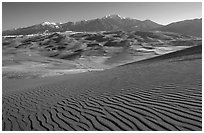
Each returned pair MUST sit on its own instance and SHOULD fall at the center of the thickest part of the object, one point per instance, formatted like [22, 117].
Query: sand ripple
[133, 110]
[163, 102]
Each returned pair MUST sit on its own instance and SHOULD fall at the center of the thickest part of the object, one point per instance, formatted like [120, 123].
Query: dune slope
[156, 95]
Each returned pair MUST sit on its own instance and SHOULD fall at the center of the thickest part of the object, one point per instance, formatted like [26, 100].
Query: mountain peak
[114, 16]
[48, 23]
[110, 22]
[147, 20]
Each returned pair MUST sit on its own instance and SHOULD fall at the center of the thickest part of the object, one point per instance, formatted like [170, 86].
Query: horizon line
[100, 18]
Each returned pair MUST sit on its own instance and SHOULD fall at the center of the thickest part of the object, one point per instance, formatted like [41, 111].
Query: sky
[22, 14]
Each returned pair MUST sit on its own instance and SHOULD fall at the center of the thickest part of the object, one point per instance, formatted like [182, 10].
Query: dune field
[163, 93]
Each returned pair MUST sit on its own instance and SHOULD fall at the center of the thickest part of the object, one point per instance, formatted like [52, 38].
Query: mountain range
[188, 27]
[111, 23]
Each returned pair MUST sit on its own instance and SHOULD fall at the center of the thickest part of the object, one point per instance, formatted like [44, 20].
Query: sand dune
[164, 94]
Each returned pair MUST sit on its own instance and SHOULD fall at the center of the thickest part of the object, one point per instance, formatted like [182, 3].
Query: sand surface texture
[164, 93]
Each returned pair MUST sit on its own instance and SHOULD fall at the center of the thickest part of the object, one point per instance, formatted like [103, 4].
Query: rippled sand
[163, 93]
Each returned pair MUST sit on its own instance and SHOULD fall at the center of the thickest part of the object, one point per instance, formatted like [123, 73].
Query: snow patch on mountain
[114, 16]
[48, 23]
[52, 24]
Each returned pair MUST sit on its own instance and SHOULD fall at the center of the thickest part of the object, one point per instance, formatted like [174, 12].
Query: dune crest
[164, 96]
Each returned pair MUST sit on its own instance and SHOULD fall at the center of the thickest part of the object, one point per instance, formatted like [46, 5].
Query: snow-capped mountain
[51, 24]
[113, 16]
[107, 23]
[34, 29]
[110, 23]
[48, 23]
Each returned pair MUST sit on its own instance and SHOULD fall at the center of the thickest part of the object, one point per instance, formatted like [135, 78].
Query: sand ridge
[164, 96]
